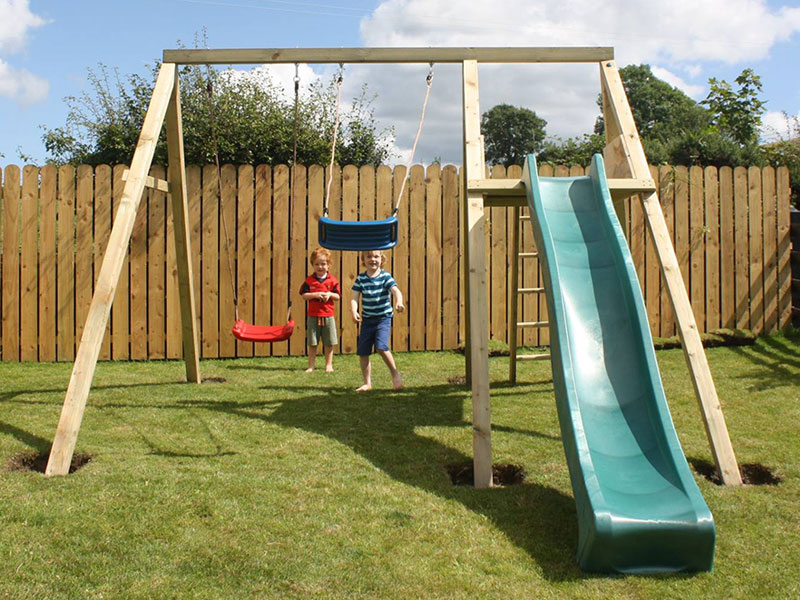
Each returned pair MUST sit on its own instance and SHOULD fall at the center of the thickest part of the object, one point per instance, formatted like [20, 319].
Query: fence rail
[730, 228]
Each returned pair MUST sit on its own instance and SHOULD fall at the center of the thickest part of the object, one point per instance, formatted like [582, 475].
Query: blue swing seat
[358, 235]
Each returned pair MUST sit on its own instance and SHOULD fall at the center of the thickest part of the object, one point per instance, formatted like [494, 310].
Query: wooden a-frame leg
[628, 160]
[183, 250]
[86, 359]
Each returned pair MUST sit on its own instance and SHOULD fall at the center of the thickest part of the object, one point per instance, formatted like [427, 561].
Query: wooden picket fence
[730, 228]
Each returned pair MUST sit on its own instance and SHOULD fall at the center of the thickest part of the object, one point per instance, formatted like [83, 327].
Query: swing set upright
[625, 164]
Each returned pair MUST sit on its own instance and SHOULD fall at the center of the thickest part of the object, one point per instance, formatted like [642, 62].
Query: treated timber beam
[86, 359]
[183, 249]
[150, 182]
[248, 56]
[511, 192]
[617, 112]
[475, 242]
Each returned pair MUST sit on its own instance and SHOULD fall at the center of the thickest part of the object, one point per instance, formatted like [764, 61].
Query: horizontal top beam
[240, 56]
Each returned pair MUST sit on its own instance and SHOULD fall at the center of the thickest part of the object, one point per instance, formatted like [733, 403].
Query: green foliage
[572, 151]
[720, 130]
[737, 113]
[511, 133]
[662, 112]
[786, 151]
[250, 119]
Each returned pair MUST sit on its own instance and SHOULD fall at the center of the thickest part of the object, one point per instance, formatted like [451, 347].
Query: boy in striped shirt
[376, 288]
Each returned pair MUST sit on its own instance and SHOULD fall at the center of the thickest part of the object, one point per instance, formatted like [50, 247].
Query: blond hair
[364, 253]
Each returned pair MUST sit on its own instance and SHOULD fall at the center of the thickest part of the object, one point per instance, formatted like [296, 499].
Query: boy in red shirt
[319, 290]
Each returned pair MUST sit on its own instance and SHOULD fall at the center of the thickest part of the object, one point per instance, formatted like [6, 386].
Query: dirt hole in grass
[502, 475]
[752, 473]
[457, 380]
[37, 461]
[214, 380]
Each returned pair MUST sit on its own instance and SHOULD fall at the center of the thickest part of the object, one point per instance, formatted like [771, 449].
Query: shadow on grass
[380, 426]
[32, 441]
[777, 358]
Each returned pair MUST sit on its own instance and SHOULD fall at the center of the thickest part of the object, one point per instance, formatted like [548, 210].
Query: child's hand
[324, 296]
[356, 317]
[400, 307]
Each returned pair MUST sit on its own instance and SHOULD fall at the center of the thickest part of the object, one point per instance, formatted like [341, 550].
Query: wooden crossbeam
[511, 188]
[150, 182]
[521, 54]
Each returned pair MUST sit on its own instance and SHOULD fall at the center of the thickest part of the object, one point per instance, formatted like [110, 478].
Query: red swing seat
[262, 333]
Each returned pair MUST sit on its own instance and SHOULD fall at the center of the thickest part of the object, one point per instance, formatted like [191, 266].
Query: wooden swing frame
[627, 169]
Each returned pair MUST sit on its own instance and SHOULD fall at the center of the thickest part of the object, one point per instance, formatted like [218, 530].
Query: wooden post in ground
[86, 360]
[183, 250]
[513, 313]
[631, 158]
[478, 346]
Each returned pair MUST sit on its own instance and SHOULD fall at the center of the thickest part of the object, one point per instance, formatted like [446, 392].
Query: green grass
[281, 484]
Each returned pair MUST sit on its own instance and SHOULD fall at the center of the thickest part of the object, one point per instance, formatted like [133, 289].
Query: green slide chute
[639, 507]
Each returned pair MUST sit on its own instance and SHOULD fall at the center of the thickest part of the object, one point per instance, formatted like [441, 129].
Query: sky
[47, 47]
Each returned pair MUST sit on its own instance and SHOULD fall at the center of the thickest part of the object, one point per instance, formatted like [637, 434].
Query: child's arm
[354, 307]
[398, 299]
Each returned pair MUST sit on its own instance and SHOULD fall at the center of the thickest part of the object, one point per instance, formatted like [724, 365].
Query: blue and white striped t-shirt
[375, 293]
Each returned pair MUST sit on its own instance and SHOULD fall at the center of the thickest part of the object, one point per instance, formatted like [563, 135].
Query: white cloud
[694, 91]
[776, 126]
[15, 21]
[21, 85]
[679, 37]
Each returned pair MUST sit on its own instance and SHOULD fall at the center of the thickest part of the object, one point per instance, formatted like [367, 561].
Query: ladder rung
[528, 254]
[524, 217]
[533, 356]
[533, 324]
[533, 290]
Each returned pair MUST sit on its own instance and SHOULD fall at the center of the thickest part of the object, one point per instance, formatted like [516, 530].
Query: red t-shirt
[318, 308]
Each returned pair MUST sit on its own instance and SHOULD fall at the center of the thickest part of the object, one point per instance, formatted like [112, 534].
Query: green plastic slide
[639, 507]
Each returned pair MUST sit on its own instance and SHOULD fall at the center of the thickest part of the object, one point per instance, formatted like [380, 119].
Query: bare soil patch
[502, 475]
[37, 461]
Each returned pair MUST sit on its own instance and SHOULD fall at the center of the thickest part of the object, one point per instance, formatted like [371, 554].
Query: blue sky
[47, 46]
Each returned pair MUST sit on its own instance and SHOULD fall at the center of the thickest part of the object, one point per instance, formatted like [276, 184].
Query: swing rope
[339, 79]
[241, 330]
[212, 117]
[428, 81]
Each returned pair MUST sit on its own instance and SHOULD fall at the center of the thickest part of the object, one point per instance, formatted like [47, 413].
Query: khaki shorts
[325, 332]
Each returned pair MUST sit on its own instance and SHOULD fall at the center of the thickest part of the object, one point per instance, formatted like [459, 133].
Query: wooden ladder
[513, 318]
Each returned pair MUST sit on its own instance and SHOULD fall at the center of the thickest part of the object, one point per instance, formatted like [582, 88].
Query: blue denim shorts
[374, 332]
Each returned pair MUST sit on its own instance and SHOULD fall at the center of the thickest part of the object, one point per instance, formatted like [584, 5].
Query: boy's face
[372, 259]
[320, 266]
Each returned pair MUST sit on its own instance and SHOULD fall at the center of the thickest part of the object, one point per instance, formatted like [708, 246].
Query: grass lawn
[280, 484]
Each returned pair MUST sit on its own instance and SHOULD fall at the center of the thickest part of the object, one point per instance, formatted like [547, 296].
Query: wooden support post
[632, 161]
[475, 242]
[86, 360]
[513, 312]
[183, 251]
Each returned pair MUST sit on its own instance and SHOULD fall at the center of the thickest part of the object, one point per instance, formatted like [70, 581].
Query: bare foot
[397, 380]
[329, 369]
[309, 369]
[364, 388]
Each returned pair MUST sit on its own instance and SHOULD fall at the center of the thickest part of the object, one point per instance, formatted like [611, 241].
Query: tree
[511, 133]
[572, 151]
[247, 116]
[737, 113]
[663, 113]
